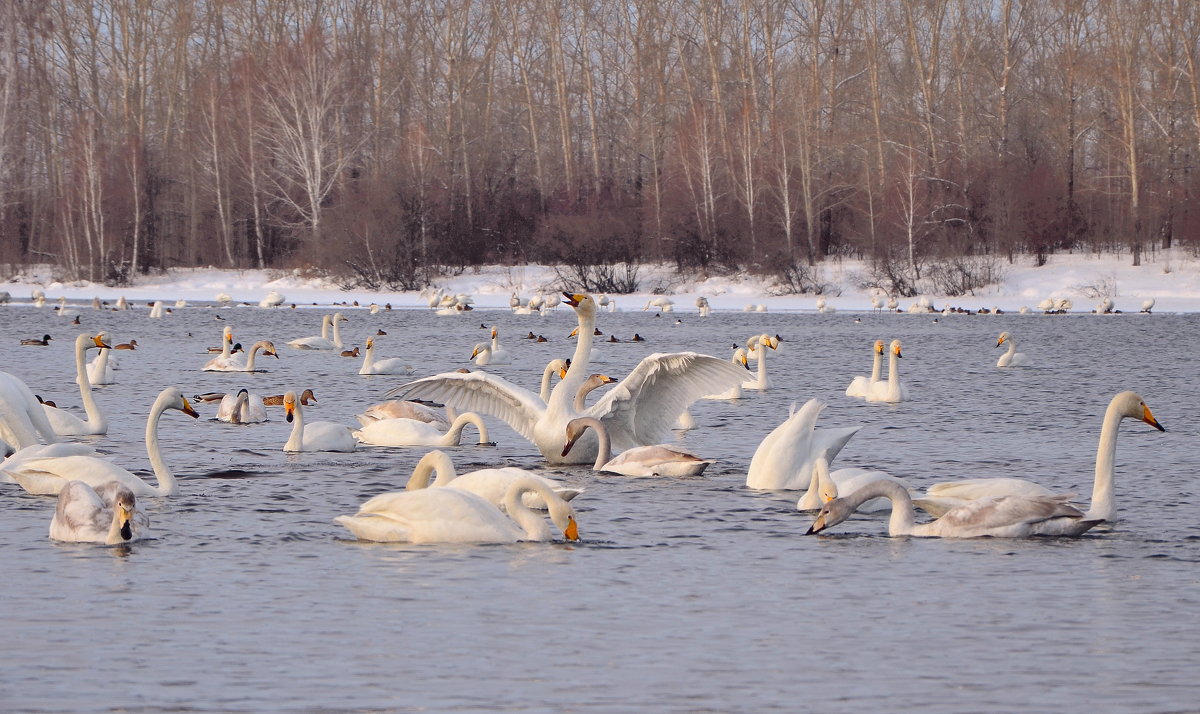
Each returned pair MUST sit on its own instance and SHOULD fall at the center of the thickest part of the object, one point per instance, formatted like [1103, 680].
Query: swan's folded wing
[974, 488]
[479, 392]
[81, 508]
[994, 516]
[644, 405]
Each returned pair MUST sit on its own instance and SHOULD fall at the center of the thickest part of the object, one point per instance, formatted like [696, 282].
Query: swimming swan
[66, 423]
[391, 365]
[317, 436]
[1126, 405]
[221, 362]
[756, 347]
[45, 470]
[484, 355]
[323, 342]
[242, 408]
[102, 369]
[451, 515]
[411, 432]
[860, 386]
[657, 460]
[492, 484]
[1011, 358]
[784, 459]
[890, 391]
[237, 365]
[1003, 517]
[107, 514]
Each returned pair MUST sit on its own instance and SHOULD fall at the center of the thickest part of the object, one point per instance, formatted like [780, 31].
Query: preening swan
[861, 386]
[784, 459]
[67, 424]
[657, 460]
[451, 515]
[242, 408]
[222, 362]
[317, 436]
[45, 470]
[411, 432]
[405, 409]
[107, 514]
[1003, 517]
[826, 486]
[23, 420]
[492, 484]
[392, 365]
[1126, 405]
[1011, 358]
[890, 391]
[323, 342]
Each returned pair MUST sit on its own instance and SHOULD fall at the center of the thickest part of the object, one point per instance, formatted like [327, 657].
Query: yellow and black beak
[125, 517]
[572, 530]
[99, 342]
[1000, 341]
[573, 299]
[289, 410]
[187, 409]
[898, 351]
[605, 379]
[474, 353]
[1149, 418]
[818, 525]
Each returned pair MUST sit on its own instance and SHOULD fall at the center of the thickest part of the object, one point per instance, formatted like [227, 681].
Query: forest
[385, 142]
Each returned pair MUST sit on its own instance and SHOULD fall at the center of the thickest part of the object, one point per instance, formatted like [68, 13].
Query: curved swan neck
[434, 461]
[811, 500]
[167, 485]
[95, 418]
[565, 390]
[1103, 504]
[604, 446]
[903, 518]
[1012, 348]
[296, 438]
[454, 434]
[325, 322]
[532, 523]
[544, 391]
[337, 332]
[589, 385]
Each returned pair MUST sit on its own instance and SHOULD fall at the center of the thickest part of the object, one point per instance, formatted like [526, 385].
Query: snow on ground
[1171, 278]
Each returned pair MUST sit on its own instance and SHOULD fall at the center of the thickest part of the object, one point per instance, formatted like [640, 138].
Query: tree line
[385, 141]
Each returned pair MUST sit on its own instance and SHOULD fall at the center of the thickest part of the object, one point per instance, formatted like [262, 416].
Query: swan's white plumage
[656, 460]
[324, 341]
[492, 484]
[107, 514]
[391, 365]
[242, 408]
[66, 423]
[23, 420]
[411, 432]
[784, 459]
[1011, 358]
[891, 390]
[317, 435]
[862, 385]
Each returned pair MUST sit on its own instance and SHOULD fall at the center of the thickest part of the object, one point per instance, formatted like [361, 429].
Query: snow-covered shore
[1171, 278]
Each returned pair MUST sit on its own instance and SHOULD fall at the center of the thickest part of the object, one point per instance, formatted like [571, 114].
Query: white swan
[861, 386]
[66, 423]
[23, 420]
[222, 362]
[237, 365]
[1003, 517]
[107, 514]
[324, 341]
[657, 460]
[484, 355]
[785, 457]
[391, 365]
[272, 299]
[1011, 358]
[242, 408]
[317, 436]
[1126, 405]
[410, 432]
[826, 486]
[102, 369]
[492, 484]
[45, 470]
[554, 366]
[891, 390]
[1147, 306]
[156, 310]
[405, 409]
[757, 348]
[451, 515]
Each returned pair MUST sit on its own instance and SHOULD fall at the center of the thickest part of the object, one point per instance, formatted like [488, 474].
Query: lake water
[684, 595]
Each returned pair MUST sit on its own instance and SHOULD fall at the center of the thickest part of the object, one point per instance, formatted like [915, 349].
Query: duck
[1002, 517]
[242, 408]
[657, 460]
[67, 424]
[785, 458]
[861, 386]
[391, 365]
[891, 390]
[413, 432]
[451, 515]
[316, 436]
[106, 514]
[324, 341]
[1125, 405]
[130, 345]
[350, 353]
[490, 483]
[35, 342]
[44, 469]
[1011, 358]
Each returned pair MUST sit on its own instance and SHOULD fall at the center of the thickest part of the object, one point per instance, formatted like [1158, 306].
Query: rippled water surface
[684, 595]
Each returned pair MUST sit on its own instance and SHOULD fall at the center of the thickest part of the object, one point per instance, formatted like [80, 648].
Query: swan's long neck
[1012, 348]
[95, 417]
[604, 446]
[876, 366]
[453, 436]
[325, 327]
[369, 359]
[433, 461]
[296, 439]
[241, 410]
[903, 518]
[226, 345]
[811, 500]
[532, 523]
[893, 379]
[762, 365]
[1103, 504]
[564, 391]
[167, 485]
[337, 334]
[547, 374]
[589, 385]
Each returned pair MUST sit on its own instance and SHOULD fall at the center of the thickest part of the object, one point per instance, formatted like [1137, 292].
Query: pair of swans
[786, 457]
[872, 388]
[491, 354]
[657, 460]
[67, 424]
[454, 515]
[106, 514]
[317, 435]
[391, 365]
[242, 408]
[44, 469]
[1011, 358]
[491, 484]
[324, 341]
[414, 432]
[756, 348]
[636, 412]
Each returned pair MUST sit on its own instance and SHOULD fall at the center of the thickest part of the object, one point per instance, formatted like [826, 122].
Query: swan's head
[289, 406]
[895, 348]
[228, 332]
[739, 357]
[575, 429]
[124, 504]
[1134, 407]
[879, 347]
[582, 302]
[337, 317]
[596, 381]
[1004, 337]
[176, 400]
[563, 516]
[370, 343]
[494, 333]
[480, 349]
[827, 489]
[832, 513]
[268, 348]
